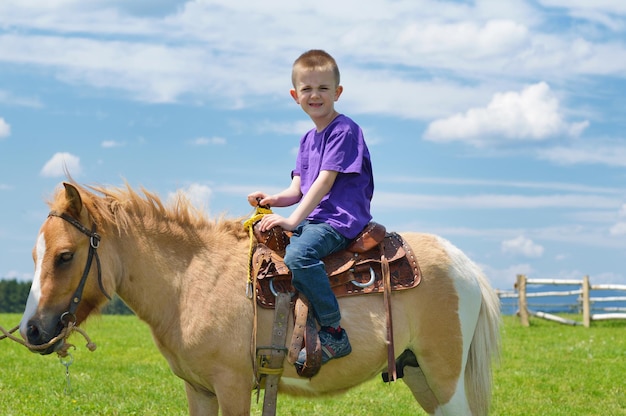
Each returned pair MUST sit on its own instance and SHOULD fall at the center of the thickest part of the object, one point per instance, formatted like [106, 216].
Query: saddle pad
[349, 273]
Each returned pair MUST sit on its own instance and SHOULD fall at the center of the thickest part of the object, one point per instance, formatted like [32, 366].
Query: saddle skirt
[352, 271]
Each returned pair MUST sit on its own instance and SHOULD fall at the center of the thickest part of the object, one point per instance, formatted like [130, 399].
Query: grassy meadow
[547, 369]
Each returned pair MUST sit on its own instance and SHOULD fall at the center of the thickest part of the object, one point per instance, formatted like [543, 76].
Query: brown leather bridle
[94, 243]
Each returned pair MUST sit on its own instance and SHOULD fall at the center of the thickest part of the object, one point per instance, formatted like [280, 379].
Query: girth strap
[274, 367]
[391, 358]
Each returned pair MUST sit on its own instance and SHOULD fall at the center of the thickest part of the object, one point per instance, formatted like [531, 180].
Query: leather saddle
[353, 271]
[375, 262]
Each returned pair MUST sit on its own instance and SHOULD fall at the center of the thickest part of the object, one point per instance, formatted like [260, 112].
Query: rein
[64, 334]
[94, 243]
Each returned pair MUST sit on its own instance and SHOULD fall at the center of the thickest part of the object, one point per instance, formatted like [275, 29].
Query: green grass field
[547, 369]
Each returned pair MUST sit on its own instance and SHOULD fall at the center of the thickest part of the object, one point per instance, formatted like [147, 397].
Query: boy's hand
[256, 198]
[271, 220]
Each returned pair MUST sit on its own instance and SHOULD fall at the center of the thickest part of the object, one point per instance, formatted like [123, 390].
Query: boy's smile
[316, 92]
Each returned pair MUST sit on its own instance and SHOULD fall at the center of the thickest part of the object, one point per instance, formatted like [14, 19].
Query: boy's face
[316, 92]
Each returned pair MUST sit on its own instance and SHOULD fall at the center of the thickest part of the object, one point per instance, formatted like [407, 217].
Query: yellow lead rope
[248, 225]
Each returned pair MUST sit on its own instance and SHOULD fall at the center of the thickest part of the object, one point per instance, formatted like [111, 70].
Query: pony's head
[67, 283]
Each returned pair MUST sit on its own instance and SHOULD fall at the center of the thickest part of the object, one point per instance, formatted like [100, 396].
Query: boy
[333, 184]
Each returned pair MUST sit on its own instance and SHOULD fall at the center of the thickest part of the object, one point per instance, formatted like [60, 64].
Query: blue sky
[497, 125]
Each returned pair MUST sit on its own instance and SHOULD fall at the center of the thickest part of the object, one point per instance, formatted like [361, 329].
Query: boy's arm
[287, 197]
[284, 198]
[320, 187]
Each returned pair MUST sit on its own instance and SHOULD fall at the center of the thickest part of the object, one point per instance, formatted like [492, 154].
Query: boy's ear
[294, 95]
[338, 92]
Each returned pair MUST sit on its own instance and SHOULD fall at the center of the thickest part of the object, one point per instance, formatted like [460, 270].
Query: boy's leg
[308, 245]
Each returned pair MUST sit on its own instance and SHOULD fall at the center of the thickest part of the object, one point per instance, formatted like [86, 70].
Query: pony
[185, 275]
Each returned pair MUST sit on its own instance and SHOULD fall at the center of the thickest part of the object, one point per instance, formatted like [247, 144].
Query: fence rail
[585, 300]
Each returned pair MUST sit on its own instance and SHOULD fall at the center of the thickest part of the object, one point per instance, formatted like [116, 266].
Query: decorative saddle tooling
[375, 262]
[353, 271]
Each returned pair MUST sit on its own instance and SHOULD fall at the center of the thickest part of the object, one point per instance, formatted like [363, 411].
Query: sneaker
[332, 347]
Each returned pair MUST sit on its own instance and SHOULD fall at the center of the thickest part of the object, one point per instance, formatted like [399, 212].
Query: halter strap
[94, 243]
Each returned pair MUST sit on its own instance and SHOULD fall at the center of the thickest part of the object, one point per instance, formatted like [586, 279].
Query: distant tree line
[13, 296]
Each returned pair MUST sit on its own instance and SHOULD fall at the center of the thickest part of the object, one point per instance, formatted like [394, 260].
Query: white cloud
[466, 182]
[605, 12]
[604, 6]
[608, 278]
[56, 166]
[562, 235]
[504, 279]
[159, 59]
[107, 144]
[618, 228]
[150, 72]
[392, 200]
[561, 257]
[15, 275]
[601, 154]
[199, 195]
[13, 100]
[530, 115]
[5, 129]
[205, 141]
[297, 128]
[398, 95]
[592, 236]
[522, 246]
[465, 38]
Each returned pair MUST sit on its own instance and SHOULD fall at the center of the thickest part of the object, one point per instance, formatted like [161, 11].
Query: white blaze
[35, 290]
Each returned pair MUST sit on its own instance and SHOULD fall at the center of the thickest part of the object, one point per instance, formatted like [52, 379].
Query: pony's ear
[74, 201]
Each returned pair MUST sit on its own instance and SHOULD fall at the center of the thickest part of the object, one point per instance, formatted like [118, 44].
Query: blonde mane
[123, 207]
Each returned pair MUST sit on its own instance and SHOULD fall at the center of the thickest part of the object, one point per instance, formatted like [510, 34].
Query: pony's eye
[64, 258]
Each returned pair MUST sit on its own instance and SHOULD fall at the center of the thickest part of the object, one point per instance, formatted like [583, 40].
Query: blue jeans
[310, 243]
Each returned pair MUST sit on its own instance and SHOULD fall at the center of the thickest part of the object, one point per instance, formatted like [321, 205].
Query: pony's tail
[484, 350]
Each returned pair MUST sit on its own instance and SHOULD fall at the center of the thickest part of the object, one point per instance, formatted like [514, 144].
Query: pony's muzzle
[38, 335]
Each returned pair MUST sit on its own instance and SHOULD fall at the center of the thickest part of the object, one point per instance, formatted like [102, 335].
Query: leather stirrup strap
[305, 333]
[313, 348]
[277, 353]
[391, 359]
[297, 339]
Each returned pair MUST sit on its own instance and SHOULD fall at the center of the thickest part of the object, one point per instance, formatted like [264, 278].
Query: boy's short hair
[315, 59]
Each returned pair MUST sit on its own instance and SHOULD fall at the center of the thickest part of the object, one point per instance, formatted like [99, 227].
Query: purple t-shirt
[339, 147]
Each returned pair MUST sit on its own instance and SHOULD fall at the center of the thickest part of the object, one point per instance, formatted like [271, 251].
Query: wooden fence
[586, 302]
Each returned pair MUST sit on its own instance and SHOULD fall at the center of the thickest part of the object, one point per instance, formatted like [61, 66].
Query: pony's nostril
[33, 334]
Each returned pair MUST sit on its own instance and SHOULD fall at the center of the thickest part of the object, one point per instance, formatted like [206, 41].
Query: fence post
[520, 285]
[586, 302]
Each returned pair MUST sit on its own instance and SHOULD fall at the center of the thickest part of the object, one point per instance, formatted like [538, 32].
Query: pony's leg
[438, 386]
[201, 402]
[234, 396]
[458, 404]
[416, 381]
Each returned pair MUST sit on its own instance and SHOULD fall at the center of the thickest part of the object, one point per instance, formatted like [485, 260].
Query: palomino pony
[185, 275]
